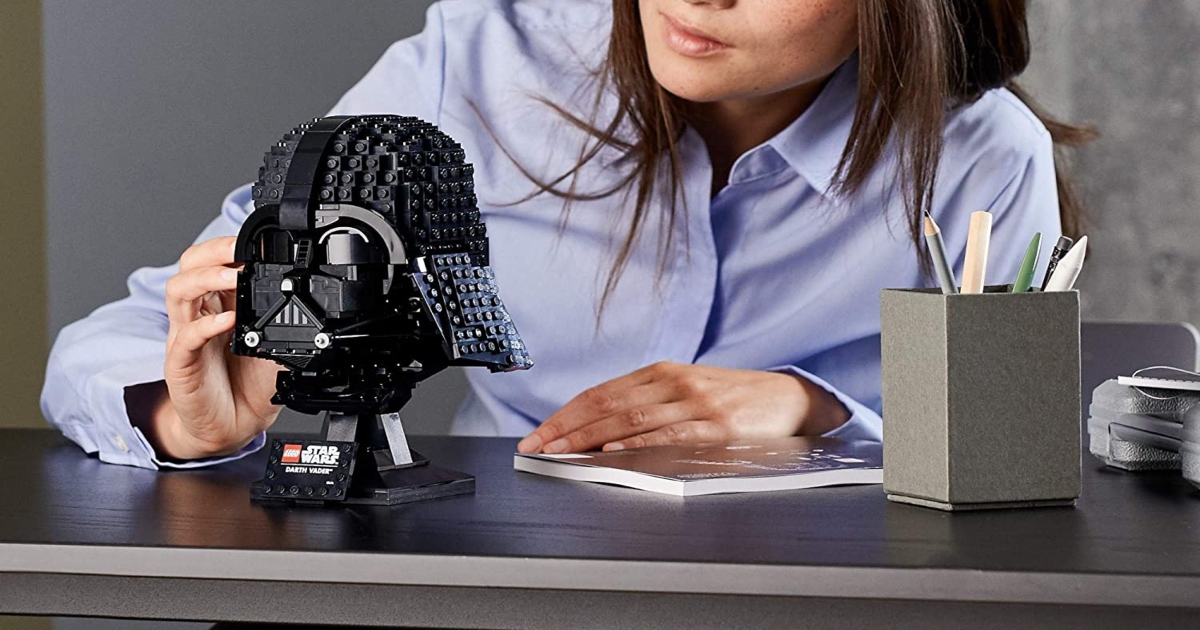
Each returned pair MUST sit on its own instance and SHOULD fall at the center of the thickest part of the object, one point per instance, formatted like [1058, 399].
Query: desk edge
[927, 584]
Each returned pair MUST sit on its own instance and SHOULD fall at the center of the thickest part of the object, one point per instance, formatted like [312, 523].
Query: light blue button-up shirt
[776, 272]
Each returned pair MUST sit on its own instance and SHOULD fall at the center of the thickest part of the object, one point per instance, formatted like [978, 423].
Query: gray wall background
[156, 108]
[1129, 67]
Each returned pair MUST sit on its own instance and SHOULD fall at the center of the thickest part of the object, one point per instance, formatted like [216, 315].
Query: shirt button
[120, 442]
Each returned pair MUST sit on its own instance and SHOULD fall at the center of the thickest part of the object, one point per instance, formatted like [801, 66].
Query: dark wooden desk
[78, 537]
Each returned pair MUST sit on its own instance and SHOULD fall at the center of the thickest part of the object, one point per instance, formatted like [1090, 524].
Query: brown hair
[916, 59]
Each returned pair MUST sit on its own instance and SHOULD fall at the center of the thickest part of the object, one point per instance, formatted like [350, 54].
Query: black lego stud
[366, 271]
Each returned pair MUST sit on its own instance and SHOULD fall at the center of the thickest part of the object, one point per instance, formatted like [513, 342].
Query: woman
[693, 205]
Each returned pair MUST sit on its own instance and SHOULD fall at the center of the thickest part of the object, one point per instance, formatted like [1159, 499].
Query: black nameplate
[307, 470]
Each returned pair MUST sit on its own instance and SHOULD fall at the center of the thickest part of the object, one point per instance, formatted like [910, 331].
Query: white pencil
[1068, 268]
[978, 239]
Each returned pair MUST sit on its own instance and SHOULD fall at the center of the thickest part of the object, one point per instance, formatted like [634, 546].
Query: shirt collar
[813, 143]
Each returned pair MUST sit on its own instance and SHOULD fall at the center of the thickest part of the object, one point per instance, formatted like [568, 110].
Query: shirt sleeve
[1027, 204]
[1010, 172]
[864, 422]
[408, 80]
[118, 346]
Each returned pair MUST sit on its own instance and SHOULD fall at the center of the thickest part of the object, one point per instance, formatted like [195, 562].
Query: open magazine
[789, 463]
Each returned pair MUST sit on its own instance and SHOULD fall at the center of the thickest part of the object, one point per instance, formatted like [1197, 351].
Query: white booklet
[790, 463]
[1162, 377]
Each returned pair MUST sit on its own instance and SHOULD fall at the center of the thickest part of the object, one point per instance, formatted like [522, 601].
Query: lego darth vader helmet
[366, 266]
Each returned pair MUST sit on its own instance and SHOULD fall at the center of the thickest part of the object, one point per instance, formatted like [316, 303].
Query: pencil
[1060, 249]
[937, 251]
[978, 239]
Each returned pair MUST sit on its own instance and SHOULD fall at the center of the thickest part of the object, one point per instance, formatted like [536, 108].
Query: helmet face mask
[366, 266]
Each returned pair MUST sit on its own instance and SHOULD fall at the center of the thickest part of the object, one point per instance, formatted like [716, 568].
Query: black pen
[1060, 249]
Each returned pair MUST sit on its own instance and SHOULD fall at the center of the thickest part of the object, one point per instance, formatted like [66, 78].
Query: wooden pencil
[978, 239]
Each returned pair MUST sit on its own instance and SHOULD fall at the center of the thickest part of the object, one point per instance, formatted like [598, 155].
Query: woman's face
[716, 50]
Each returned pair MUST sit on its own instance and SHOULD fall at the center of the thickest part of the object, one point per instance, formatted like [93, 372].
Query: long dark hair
[917, 58]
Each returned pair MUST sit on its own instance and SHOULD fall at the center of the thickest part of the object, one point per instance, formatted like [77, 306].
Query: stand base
[364, 460]
[311, 472]
[408, 485]
[405, 485]
[967, 507]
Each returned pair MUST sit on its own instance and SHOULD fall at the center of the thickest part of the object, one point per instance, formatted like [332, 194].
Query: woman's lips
[688, 41]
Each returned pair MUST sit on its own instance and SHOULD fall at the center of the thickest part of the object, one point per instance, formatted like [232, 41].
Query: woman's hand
[676, 403]
[217, 402]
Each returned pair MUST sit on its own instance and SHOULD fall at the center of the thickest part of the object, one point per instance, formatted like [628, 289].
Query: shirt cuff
[864, 423]
[255, 444]
[117, 440]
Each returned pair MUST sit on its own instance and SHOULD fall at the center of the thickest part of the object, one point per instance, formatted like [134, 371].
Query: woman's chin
[696, 90]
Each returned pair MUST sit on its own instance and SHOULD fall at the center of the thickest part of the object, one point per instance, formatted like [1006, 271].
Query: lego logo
[291, 453]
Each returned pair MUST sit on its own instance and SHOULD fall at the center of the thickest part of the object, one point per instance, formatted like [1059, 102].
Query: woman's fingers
[184, 353]
[187, 287]
[608, 399]
[213, 252]
[633, 421]
[670, 403]
[692, 432]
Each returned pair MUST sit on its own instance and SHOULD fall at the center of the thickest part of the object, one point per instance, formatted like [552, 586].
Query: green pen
[1025, 276]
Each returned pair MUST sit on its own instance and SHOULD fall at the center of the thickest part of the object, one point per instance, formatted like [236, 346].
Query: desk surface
[1133, 540]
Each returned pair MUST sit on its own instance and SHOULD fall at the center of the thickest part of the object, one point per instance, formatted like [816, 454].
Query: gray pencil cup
[981, 398]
